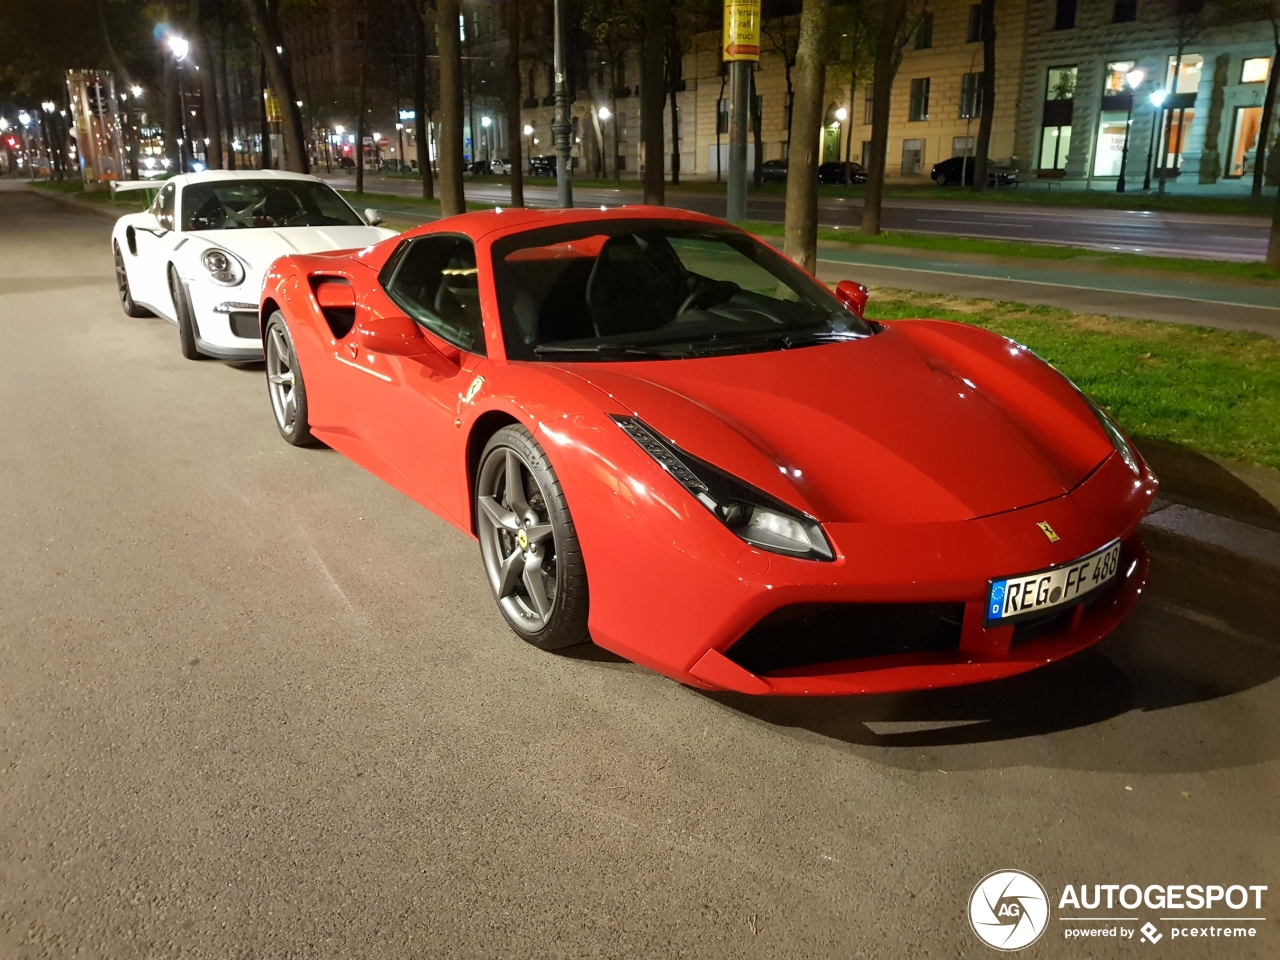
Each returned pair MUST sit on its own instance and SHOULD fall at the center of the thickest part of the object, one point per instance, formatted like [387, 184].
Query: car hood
[919, 423]
[260, 246]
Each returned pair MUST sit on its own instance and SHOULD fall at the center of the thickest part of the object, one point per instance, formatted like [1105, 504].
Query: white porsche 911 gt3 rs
[198, 254]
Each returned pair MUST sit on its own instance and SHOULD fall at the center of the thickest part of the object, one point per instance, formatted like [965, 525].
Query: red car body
[932, 454]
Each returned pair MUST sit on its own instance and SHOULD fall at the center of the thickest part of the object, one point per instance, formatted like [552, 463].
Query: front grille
[805, 635]
[244, 324]
[1049, 622]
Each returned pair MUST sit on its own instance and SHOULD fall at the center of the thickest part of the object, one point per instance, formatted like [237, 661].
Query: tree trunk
[757, 164]
[227, 121]
[1273, 245]
[172, 116]
[267, 34]
[674, 73]
[1264, 131]
[452, 198]
[617, 161]
[515, 141]
[892, 15]
[651, 92]
[801, 228]
[724, 78]
[360, 111]
[420, 128]
[988, 87]
[209, 98]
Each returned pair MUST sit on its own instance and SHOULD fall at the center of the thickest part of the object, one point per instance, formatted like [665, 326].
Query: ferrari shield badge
[1048, 531]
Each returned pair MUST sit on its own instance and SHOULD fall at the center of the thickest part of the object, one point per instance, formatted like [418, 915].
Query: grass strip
[1214, 391]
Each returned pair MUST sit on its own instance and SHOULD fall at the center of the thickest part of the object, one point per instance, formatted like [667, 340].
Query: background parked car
[544, 166]
[837, 172]
[774, 171]
[948, 173]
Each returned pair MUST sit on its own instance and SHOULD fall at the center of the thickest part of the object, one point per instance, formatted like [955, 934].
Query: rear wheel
[131, 309]
[284, 383]
[186, 322]
[528, 542]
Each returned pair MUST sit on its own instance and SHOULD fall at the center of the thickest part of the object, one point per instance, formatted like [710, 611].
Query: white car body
[225, 315]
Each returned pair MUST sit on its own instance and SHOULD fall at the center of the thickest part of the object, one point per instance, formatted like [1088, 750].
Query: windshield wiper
[600, 349]
[776, 340]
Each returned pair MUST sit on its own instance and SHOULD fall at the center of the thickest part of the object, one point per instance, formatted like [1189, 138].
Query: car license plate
[1014, 598]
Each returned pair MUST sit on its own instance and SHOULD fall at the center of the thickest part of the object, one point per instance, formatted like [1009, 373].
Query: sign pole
[741, 50]
[561, 129]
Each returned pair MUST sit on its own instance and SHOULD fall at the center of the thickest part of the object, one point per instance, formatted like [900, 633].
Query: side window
[434, 280]
[163, 207]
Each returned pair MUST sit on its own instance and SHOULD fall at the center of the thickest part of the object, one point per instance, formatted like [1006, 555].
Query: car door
[155, 246]
[433, 280]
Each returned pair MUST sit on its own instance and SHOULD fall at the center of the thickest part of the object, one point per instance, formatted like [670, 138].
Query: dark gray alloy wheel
[284, 384]
[131, 309]
[186, 323]
[528, 542]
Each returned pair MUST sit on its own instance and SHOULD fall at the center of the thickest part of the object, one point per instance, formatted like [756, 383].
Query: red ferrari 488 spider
[670, 440]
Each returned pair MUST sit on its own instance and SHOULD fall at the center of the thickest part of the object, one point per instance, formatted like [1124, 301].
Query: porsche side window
[164, 206]
[435, 282]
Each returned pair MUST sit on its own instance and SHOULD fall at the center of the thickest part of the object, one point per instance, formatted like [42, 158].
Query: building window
[975, 24]
[866, 153]
[970, 96]
[1125, 11]
[1244, 141]
[962, 146]
[722, 116]
[869, 104]
[1062, 84]
[1188, 73]
[1110, 147]
[1255, 70]
[912, 157]
[1055, 142]
[1113, 83]
[919, 99]
[924, 32]
[1064, 17]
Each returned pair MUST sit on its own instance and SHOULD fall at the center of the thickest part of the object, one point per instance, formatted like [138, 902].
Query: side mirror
[391, 335]
[853, 296]
[372, 216]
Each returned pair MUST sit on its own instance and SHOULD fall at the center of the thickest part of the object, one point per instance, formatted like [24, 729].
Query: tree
[614, 26]
[651, 92]
[452, 199]
[420, 131]
[988, 92]
[892, 30]
[264, 15]
[514, 137]
[801, 225]
[1268, 110]
[780, 26]
[208, 74]
[1273, 243]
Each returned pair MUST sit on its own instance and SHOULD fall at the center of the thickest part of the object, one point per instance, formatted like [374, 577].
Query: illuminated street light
[1157, 98]
[485, 121]
[136, 91]
[528, 130]
[842, 114]
[338, 129]
[4, 124]
[49, 106]
[24, 118]
[179, 47]
[603, 113]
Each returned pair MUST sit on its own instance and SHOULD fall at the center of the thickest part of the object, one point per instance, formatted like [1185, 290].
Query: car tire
[285, 387]
[528, 542]
[186, 322]
[131, 309]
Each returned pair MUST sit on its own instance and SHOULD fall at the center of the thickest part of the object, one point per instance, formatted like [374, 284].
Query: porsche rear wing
[129, 186]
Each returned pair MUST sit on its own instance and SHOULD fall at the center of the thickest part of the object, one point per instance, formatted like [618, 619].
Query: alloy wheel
[122, 280]
[517, 541]
[281, 379]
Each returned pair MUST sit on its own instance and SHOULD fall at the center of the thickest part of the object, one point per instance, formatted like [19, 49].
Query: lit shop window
[1188, 72]
[1255, 70]
[1244, 141]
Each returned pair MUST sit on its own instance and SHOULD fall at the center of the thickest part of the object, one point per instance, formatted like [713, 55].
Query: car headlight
[223, 267]
[1113, 433]
[751, 514]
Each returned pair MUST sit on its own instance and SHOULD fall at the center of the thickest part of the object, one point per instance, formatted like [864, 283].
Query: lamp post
[24, 121]
[562, 128]
[528, 151]
[841, 116]
[1134, 79]
[179, 47]
[1157, 101]
[488, 152]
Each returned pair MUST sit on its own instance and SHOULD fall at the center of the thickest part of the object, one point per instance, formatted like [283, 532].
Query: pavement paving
[255, 703]
[1154, 233]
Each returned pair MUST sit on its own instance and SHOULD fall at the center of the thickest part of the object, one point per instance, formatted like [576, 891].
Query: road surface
[255, 703]
[1168, 234]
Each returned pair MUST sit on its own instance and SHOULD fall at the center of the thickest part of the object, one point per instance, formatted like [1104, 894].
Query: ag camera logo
[1008, 910]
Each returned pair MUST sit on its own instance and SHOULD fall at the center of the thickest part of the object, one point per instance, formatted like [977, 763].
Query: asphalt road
[255, 703]
[1224, 237]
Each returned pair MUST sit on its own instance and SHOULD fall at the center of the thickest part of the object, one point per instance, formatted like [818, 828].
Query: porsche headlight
[223, 267]
[751, 514]
[1113, 434]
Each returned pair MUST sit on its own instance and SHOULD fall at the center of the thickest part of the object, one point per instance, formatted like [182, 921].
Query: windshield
[244, 204]
[645, 289]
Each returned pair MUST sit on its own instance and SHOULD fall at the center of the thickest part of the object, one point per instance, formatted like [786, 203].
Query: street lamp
[604, 113]
[484, 122]
[1157, 101]
[1134, 79]
[842, 114]
[179, 47]
[136, 91]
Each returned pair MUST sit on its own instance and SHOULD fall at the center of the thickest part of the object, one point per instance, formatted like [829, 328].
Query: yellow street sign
[741, 30]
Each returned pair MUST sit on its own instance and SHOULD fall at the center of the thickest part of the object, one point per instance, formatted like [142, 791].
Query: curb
[111, 214]
[1227, 555]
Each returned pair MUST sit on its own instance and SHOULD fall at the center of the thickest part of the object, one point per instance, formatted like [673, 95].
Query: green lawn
[1011, 249]
[1214, 391]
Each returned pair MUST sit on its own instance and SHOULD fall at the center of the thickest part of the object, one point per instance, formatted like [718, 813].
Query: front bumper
[226, 321]
[673, 590]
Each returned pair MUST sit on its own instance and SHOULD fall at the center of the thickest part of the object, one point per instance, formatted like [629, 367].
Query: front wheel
[528, 542]
[284, 384]
[127, 303]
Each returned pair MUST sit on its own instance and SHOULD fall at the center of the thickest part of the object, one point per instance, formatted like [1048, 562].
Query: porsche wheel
[131, 309]
[284, 384]
[186, 322]
[528, 543]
